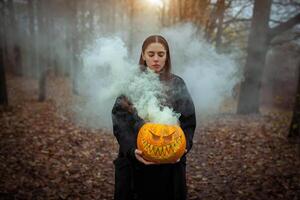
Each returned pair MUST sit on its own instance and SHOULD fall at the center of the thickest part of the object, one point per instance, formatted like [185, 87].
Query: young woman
[135, 177]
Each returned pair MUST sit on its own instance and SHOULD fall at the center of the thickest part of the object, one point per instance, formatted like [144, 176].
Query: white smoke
[104, 73]
[145, 90]
[209, 76]
[108, 72]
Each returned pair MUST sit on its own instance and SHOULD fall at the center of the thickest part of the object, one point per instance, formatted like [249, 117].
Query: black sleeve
[188, 117]
[125, 127]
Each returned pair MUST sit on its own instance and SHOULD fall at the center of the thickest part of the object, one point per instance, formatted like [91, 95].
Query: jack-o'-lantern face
[161, 143]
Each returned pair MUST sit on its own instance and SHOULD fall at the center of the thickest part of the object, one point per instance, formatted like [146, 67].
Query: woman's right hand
[139, 157]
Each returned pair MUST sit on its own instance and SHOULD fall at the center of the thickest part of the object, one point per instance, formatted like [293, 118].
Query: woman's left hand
[180, 158]
[139, 157]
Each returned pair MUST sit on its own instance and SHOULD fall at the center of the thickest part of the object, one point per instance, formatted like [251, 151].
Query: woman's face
[155, 56]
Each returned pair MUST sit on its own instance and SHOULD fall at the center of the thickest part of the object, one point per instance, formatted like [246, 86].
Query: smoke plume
[109, 72]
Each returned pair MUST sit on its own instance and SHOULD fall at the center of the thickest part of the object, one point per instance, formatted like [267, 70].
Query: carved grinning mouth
[163, 151]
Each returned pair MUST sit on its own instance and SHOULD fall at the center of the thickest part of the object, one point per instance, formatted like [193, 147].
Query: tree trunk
[32, 44]
[163, 15]
[202, 10]
[3, 91]
[14, 40]
[215, 22]
[255, 62]
[68, 62]
[294, 127]
[131, 24]
[75, 46]
[181, 6]
[219, 34]
[5, 36]
[91, 19]
[42, 54]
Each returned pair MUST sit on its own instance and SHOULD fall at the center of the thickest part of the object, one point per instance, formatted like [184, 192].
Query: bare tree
[14, 44]
[294, 130]
[3, 92]
[258, 43]
[42, 59]
[216, 15]
[75, 45]
[131, 4]
[32, 45]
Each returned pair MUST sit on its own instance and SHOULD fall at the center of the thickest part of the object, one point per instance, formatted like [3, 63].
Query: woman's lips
[155, 65]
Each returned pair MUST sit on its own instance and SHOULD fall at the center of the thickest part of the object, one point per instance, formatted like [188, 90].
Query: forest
[64, 63]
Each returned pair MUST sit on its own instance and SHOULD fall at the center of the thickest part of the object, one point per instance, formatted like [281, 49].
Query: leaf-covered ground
[45, 155]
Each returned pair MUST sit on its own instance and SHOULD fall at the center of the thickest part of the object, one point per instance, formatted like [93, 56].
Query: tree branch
[284, 26]
[237, 20]
[280, 42]
[276, 21]
[235, 17]
[292, 3]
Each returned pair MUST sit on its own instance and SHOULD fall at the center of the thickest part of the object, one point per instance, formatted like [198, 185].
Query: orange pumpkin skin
[161, 143]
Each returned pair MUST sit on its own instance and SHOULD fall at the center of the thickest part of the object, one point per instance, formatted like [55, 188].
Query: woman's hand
[138, 155]
[180, 158]
[126, 104]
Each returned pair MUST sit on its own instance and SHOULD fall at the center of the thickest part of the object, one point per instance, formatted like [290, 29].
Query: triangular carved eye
[154, 137]
[169, 137]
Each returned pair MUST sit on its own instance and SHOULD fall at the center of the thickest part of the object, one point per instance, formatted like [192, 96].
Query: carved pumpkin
[161, 143]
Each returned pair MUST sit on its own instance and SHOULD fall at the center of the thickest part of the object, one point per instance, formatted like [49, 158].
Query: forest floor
[44, 154]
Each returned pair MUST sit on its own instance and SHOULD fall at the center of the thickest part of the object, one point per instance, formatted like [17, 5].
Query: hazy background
[97, 44]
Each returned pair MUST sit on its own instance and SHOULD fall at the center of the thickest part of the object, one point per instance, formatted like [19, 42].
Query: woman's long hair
[166, 72]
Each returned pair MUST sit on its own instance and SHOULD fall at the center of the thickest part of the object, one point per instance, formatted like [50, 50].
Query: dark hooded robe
[133, 179]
